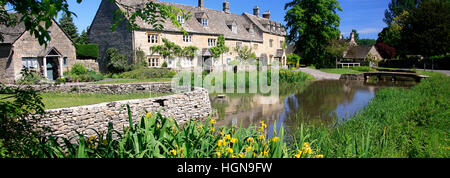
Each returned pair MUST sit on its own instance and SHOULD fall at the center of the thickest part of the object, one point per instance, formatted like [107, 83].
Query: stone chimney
[341, 37]
[201, 4]
[256, 11]
[266, 15]
[226, 6]
[352, 36]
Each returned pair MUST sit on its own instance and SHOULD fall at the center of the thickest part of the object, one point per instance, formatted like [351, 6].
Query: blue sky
[366, 16]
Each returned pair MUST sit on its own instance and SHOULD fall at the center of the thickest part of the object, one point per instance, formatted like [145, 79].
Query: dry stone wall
[181, 107]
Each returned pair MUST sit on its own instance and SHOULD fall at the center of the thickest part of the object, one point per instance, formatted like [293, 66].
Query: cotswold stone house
[20, 50]
[263, 35]
[357, 54]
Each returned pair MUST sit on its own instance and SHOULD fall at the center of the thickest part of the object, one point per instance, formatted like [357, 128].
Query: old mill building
[264, 36]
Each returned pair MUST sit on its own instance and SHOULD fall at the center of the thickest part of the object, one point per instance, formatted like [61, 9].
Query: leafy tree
[293, 59]
[83, 38]
[37, 15]
[167, 50]
[67, 25]
[386, 51]
[312, 24]
[427, 29]
[245, 53]
[366, 42]
[336, 49]
[397, 7]
[189, 51]
[118, 63]
[392, 35]
[221, 48]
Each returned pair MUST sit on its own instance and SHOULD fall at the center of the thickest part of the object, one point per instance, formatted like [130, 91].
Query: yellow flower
[159, 126]
[241, 155]
[318, 156]
[266, 152]
[221, 142]
[228, 137]
[218, 154]
[309, 150]
[199, 127]
[261, 137]
[234, 140]
[148, 115]
[305, 145]
[212, 121]
[229, 150]
[233, 156]
[250, 139]
[213, 129]
[249, 148]
[173, 152]
[275, 139]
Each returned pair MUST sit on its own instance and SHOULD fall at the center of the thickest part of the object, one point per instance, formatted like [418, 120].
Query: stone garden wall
[181, 107]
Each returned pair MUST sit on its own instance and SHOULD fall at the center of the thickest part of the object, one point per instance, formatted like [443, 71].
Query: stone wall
[106, 88]
[90, 64]
[352, 77]
[181, 107]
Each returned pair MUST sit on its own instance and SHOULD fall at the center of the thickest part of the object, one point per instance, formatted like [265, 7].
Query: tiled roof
[358, 52]
[11, 34]
[218, 22]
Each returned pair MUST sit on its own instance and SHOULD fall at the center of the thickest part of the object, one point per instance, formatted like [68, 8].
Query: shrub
[29, 77]
[118, 63]
[164, 64]
[148, 73]
[78, 69]
[86, 51]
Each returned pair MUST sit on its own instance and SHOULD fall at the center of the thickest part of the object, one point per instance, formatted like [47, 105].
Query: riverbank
[398, 123]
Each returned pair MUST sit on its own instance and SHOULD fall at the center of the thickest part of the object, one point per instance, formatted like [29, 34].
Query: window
[180, 19]
[205, 22]
[29, 63]
[228, 60]
[274, 29]
[153, 38]
[211, 42]
[251, 31]
[238, 44]
[234, 28]
[187, 38]
[153, 62]
[271, 43]
[65, 62]
[281, 43]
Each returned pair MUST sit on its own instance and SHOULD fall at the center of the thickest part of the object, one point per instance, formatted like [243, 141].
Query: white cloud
[369, 31]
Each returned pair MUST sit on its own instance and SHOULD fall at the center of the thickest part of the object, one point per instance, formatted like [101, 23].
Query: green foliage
[148, 73]
[167, 50]
[356, 34]
[312, 24]
[366, 42]
[293, 59]
[118, 63]
[164, 64]
[29, 77]
[396, 7]
[221, 48]
[83, 38]
[18, 134]
[189, 51]
[245, 53]
[141, 60]
[67, 25]
[363, 69]
[426, 30]
[86, 51]
[78, 69]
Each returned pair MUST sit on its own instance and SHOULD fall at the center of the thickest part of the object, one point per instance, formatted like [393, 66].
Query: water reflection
[322, 102]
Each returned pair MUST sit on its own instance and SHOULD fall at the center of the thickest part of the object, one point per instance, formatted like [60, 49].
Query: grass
[64, 100]
[398, 123]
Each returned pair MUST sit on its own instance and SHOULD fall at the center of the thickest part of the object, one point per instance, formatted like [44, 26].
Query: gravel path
[319, 75]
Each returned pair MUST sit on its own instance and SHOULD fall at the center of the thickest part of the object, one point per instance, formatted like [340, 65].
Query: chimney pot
[256, 11]
[201, 4]
[266, 15]
[226, 6]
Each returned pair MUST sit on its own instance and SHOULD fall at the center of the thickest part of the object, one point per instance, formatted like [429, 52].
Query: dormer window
[232, 26]
[205, 22]
[180, 19]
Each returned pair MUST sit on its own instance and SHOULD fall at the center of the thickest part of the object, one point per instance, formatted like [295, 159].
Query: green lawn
[64, 100]
[341, 71]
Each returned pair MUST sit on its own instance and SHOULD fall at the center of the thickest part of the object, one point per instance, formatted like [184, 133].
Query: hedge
[87, 51]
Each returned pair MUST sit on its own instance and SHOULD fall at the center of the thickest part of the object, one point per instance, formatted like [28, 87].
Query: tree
[117, 62]
[221, 48]
[426, 30]
[312, 24]
[83, 38]
[67, 25]
[336, 49]
[293, 59]
[356, 34]
[366, 42]
[386, 51]
[167, 50]
[245, 53]
[391, 35]
[397, 7]
[37, 15]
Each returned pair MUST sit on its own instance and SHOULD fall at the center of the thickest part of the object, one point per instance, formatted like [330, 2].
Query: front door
[50, 70]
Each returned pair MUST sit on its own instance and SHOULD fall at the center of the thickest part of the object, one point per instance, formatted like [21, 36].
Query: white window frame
[153, 38]
[180, 19]
[153, 61]
[205, 22]
[212, 42]
[187, 38]
[30, 63]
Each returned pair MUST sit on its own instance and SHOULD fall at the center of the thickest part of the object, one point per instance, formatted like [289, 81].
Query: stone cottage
[20, 50]
[356, 54]
[263, 35]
